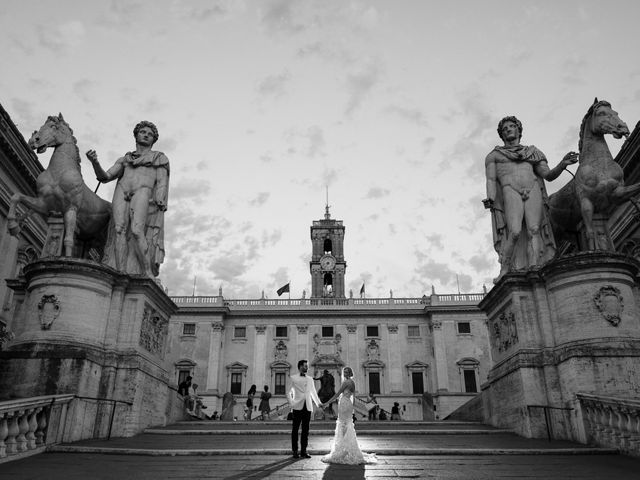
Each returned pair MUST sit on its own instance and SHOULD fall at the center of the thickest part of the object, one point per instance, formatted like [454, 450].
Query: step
[499, 443]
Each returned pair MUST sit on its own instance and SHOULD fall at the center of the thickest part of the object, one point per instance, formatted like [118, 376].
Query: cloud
[483, 263]
[377, 192]
[427, 270]
[360, 83]
[61, 38]
[574, 71]
[23, 115]
[310, 141]
[269, 239]
[217, 10]
[411, 115]
[274, 85]
[435, 240]
[190, 188]
[260, 199]
[82, 89]
[281, 16]
[229, 267]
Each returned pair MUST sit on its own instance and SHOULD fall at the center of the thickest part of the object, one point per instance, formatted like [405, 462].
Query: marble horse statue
[62, 191]
[598, 186]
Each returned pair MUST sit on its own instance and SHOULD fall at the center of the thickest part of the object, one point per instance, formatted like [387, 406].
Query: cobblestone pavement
[59, 466]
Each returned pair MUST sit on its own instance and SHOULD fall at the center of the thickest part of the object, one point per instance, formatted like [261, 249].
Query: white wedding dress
[345, 448]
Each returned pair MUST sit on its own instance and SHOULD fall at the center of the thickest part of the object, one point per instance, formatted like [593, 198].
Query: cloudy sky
[261, 104]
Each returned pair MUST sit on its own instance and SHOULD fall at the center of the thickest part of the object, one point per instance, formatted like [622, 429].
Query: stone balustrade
[611, 422]
[31, 424]
[314, 303]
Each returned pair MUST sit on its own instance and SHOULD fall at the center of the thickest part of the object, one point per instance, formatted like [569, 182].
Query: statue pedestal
[571, 326]
[86, 329]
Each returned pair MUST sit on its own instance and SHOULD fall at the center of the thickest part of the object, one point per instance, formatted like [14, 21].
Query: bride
[345, 448]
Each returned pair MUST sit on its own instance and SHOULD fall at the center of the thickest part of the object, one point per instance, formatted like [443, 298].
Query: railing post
[4, 432]
[12, 433]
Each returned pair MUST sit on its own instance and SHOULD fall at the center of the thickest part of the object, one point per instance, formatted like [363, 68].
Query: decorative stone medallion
[610, 304]
[373, 351]
[281, 351]
[48, 310]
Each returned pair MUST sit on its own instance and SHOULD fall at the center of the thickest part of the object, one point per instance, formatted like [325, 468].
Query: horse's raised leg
[587, 221]
[32, 203]
[69, 230]
[624, 192]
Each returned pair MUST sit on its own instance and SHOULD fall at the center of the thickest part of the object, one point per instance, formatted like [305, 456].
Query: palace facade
[429, 354]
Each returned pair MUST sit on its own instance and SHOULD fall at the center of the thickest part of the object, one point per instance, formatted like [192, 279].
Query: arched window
[327, 246]
[328, 285]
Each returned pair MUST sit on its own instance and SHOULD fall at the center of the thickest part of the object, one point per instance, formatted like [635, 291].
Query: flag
[283, 289]
[362, 289]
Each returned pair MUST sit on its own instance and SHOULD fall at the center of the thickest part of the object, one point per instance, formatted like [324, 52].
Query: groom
[301, 398]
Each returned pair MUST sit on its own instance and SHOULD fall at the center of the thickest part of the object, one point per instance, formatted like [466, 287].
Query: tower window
[281, 331]
[327, 331]
[328, 285]
[327, 245]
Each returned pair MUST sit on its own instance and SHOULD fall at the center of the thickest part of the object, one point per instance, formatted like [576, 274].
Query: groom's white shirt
[303, 390]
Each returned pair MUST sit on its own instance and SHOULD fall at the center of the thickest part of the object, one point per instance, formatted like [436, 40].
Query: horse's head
[55, 131]
[601, 119]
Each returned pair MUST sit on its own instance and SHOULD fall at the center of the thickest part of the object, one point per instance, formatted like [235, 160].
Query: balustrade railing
[203, 301]
[612, 422]
[32, 423]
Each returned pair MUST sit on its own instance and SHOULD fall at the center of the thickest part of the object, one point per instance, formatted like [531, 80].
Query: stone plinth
[86, 329]
[572, 326]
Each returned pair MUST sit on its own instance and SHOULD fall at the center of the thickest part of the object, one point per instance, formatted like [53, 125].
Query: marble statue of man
[136, 243]
[517, 198]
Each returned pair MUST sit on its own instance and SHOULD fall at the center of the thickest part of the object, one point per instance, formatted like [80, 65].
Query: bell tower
[327, 257]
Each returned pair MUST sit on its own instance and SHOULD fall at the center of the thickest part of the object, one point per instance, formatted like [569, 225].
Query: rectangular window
[327, 331]
[282, 332]
[470, 385]
[418, 382]
[414, 331]
[374, 383]
[188, 328]
[236, 383]
[182, 375]
[280, 386]
[240, 332]
[372, 331]
[464, 327]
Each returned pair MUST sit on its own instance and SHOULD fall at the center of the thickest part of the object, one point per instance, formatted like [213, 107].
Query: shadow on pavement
[263, 471]
[351, 472]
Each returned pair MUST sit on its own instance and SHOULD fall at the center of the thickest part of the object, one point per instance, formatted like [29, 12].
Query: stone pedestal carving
[572, 326]
[83, 328]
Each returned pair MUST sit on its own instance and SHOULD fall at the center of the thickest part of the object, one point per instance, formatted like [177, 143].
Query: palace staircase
[261, 449]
